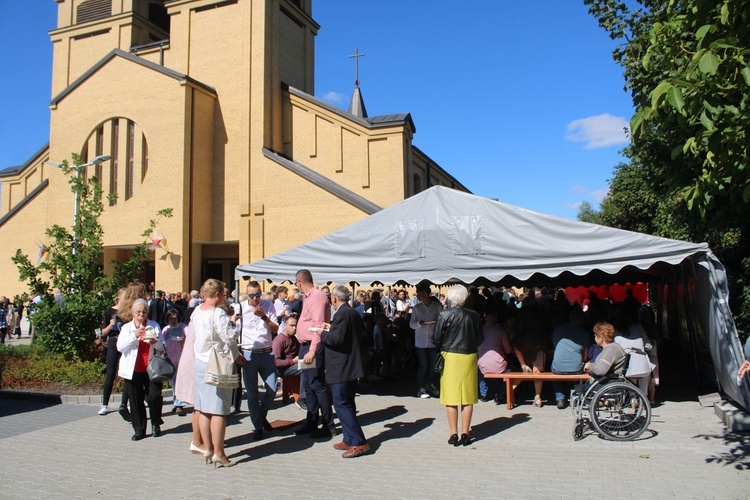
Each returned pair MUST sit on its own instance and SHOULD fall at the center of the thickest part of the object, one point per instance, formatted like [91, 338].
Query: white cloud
[598, 194]
[594, 196]
[335, 98]
[599, 131]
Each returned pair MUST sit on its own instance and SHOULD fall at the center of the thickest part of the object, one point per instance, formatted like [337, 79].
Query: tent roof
[442, 235]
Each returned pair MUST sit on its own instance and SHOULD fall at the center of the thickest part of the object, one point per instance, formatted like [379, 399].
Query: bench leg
[510, 394]
[289, 389]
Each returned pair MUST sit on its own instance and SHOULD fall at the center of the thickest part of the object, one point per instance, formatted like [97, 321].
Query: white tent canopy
[442, 235]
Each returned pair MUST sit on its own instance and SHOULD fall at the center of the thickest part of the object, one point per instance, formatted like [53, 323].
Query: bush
[33, 366]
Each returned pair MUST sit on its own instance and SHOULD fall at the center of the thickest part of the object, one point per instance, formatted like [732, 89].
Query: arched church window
[127, 148]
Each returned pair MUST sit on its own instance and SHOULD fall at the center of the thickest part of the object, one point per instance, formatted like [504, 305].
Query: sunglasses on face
[254, 295]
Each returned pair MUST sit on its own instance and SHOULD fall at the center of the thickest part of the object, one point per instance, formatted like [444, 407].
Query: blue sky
[520, 101]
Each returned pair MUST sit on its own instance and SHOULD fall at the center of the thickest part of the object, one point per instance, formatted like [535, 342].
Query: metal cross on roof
[356, 57]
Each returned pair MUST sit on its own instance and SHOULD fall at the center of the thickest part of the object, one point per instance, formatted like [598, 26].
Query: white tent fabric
[442, 235]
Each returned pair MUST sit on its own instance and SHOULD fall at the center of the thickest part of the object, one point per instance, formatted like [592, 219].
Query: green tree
[687, 66]
[587, 213]
[73, 268]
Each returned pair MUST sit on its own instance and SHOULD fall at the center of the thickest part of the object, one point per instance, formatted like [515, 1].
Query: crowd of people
[334, 341]
[11, 314]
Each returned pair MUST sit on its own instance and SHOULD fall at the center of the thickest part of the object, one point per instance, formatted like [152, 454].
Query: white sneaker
[103, 410]
[423, 394]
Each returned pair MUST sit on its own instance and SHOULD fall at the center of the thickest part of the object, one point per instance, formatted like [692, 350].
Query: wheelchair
[612, 406]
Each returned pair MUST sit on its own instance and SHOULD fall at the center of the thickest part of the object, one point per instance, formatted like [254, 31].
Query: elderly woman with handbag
[134, 342]
[458, 333]
[215, 335]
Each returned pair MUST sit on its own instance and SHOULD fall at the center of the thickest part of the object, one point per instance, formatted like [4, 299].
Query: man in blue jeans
[423, 317]
[258, 327]
[571, 343]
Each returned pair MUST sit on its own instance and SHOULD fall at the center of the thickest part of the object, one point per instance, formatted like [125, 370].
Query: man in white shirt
[423, 317]
[258, 328]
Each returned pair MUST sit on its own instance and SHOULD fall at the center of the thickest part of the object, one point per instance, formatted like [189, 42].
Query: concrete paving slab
[69, 451]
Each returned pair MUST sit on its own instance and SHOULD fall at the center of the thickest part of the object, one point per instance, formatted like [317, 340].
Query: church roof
[324, 182]
[133, 58]
[370, 122]
[9, 171]
[357, 106]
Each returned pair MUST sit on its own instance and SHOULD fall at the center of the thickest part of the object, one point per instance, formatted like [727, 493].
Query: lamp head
[100, 159]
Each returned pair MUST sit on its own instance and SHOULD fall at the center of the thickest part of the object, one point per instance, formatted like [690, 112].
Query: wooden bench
[512, 379]
[289, 389]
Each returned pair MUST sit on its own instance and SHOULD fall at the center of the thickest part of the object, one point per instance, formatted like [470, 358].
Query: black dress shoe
[267, 426]
[307, 429]
[258, 434]
[321, 434]
[156, 431]
[453, 440]
[138, 437]
[465, 439]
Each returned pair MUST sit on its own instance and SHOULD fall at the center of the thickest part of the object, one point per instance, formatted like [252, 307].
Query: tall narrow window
[105, 140]
[130, 155]
[417, 184]
[113, 165]
[84, 160]
[99, 151]
[144, 158]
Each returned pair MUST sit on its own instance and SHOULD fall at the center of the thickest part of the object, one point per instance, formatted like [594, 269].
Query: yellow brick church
[206, 107]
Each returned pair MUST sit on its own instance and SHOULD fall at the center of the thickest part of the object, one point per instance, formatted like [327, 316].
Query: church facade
[206, 107]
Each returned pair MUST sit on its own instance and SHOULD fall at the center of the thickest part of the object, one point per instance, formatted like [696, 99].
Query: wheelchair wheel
[578, 431]
[620, 412]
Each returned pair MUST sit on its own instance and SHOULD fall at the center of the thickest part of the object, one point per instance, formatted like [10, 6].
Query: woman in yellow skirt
[458, 333]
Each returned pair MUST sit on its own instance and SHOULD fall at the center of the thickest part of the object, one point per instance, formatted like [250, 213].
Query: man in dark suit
[343, 361]
[157, 309]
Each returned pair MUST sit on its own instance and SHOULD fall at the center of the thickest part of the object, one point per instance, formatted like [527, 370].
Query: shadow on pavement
[399, 430]
[497, 425]
[738, 454]
[380, 415]
[10, 405]
[290, 444]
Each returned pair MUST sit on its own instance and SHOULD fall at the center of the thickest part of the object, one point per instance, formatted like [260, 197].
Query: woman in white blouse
[213, 326]
[134, 342]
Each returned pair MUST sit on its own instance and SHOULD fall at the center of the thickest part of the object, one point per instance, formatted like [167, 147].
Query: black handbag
[160, 367]
[440, 360]
[439, 363]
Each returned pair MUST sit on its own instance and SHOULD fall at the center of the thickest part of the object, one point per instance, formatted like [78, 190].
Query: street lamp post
[96, 161]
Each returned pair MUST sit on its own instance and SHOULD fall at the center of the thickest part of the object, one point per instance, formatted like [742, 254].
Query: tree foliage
[587, 213]
[66, 325]
[687, 66]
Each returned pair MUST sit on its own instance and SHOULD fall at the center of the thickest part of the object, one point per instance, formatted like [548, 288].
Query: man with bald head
[315, 312]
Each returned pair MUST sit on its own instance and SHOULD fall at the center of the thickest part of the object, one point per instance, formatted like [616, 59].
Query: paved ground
[68, 451]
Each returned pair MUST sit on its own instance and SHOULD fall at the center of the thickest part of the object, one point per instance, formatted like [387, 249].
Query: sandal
[537, 402]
